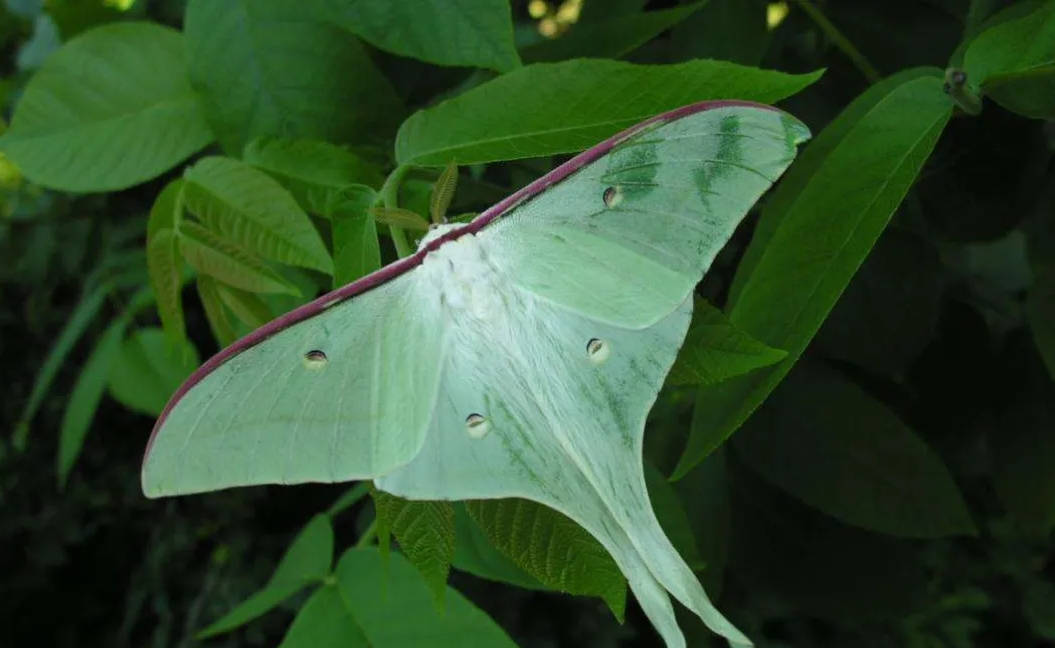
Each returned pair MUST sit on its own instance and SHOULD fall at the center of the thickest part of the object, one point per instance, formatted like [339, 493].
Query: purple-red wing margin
[397, 268]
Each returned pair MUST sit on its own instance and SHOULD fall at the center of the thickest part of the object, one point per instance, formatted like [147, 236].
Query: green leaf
[163, 260]
[393, 606]
[821, 238]
[805, 166]
[251, 209]
[704, 493]
[110, 109]
[1013, 62]
[828, 443]
[476, 33]
[324, 622]
[672, 517]
[214, 312]
[551, 108]
[82, 315]
[609, 38]
[271, 67]
[306, 561]
[313, 171]
[893, 302]
[149, 369]
[210, 254]
[443, 192]
[85, 397]
[728, 30]
[551, 548]
[474, 553]
[715, 350]
[397, 217]
[425, 531]
[814, 566]
[245, 305]
[356, 252]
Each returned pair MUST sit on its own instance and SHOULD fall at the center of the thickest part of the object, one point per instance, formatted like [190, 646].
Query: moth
[516, 355]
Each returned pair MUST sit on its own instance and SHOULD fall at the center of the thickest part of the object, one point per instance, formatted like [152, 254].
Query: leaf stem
[389, 197]
[349, 498]
[368, 535]
[840, 41]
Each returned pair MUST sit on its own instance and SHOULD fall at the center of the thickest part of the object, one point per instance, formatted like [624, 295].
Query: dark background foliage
[938, 329]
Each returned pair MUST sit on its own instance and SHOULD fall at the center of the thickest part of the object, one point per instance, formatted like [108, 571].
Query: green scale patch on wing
[347, 394]
[626, 238]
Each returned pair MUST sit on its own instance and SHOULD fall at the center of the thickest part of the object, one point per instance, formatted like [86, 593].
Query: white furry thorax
[462, 275]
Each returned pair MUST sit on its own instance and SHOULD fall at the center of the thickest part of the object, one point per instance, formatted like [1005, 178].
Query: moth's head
[437, 230]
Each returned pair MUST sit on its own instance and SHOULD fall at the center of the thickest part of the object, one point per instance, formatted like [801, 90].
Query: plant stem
[368, 535]
[389, 197]
[350, 497]
[840, 41]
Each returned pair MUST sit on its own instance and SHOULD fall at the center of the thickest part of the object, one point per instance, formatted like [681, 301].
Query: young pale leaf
[396, 217]
[85, 397]
[828, 443]
[715, 350]
[214, 311]
[125, 118]
[148, 370]
[609, 38]
[324, 622]
[474, 553]
[251, 209]
[820, 240]
[356, 252]
[306, 561]
[211, 254]
[313, 171]
[257, 76]
[1013, 62]
[443, 192]
[425, 531]
[551, 108]
[163, 260]
[394, 608]
[83, 314]
[477, 33]
[245, 305]
[552, 548]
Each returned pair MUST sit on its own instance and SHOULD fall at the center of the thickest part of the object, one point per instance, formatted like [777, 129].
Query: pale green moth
[513, 356]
